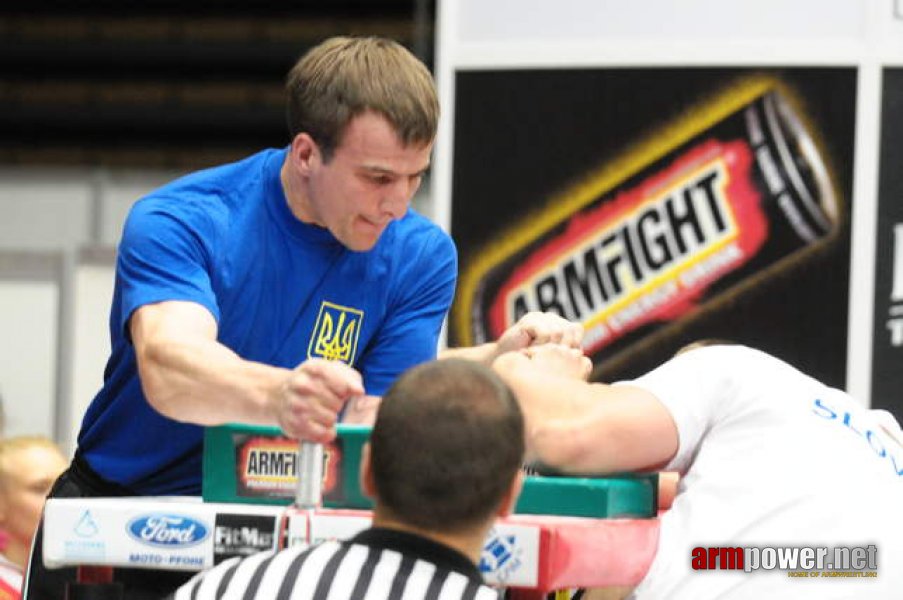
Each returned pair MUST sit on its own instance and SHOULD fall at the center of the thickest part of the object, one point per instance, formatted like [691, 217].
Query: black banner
[887, 344]
[584, 168]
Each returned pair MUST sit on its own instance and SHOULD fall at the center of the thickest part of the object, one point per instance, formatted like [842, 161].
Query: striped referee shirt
[376, 564]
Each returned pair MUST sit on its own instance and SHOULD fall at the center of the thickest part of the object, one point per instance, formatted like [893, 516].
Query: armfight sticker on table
[267, 467]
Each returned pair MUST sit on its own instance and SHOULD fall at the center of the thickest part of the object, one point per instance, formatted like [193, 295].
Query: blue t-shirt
[281, 292]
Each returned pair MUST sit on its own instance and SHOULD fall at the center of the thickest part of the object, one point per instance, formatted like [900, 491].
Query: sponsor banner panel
[522, 551]
[154, 533]
[657, 206]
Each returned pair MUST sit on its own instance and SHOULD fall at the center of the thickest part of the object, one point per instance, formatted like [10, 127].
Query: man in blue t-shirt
[285, 289]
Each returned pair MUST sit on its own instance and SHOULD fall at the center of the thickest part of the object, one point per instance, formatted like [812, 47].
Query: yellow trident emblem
[336, 333]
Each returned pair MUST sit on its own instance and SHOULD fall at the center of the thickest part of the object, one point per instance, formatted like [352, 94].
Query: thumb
[517, 338]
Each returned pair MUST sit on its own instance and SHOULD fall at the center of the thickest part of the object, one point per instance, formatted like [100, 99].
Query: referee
[442, 463]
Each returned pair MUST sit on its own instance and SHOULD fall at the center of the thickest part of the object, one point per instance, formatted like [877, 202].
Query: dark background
[178, 84]
[887, 360]
[521, 136]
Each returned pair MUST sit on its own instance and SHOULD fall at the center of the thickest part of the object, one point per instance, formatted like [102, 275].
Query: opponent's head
[446, 449]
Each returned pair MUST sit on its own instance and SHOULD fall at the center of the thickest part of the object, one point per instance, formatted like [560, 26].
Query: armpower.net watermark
[798, 561]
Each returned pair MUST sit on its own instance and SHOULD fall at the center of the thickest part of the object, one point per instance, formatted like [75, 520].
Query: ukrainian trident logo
[336, 333]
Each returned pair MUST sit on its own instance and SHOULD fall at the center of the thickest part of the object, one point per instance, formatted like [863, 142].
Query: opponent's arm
[533, 329]
[582, 427]
[616, 592]
[188, 376]
[667, 488]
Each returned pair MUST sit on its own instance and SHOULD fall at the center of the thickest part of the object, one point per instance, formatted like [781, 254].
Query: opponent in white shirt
[768, 456]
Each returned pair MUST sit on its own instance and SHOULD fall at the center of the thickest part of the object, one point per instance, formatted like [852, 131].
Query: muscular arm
[188, 376]
[589, 428]
[532, 329]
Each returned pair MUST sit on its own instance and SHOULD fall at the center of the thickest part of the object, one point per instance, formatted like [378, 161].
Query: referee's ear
[509, 500]
[367, 484]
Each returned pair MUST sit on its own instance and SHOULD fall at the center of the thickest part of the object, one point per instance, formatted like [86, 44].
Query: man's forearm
[203, 382]
[588, 428]
[187, 375]
[484, 353]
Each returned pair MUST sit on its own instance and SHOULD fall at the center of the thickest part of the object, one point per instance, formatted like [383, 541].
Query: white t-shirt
[770, 457]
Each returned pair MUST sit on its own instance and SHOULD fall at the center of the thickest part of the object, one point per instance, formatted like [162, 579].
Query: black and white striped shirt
[377, 564]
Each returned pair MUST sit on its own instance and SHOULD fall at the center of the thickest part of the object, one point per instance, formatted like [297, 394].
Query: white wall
[44, 209]
[494, 21]
[93, 286]
[28, 354]
[58, 232]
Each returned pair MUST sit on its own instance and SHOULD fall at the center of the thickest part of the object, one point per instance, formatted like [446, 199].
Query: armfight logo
[267, 467]
[242, 535]
[734, 192]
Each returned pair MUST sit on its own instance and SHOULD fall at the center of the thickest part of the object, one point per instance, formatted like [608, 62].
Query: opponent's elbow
[559, 445]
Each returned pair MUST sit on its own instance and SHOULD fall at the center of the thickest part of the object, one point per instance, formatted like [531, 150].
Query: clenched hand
[309, 401]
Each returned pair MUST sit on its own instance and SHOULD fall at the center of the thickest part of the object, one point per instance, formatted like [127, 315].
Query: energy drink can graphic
[721, 199]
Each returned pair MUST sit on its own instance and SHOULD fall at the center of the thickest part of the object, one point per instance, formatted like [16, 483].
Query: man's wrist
[491, 351]
[484, 353]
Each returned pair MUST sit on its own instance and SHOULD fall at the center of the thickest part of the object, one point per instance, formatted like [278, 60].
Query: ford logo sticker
[167, 531]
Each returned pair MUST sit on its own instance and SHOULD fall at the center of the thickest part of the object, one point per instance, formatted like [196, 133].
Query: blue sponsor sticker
[496, 553]
[167, 530]
[501, 557]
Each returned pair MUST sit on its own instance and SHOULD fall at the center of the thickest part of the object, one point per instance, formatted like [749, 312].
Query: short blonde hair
[9, 447]
[345, 76]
